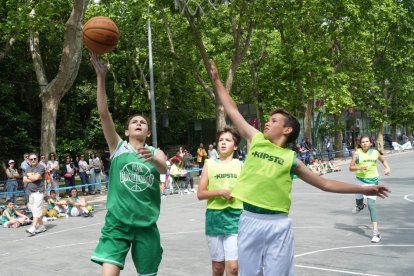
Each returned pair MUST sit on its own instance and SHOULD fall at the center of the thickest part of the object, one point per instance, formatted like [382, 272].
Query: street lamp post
[152, 96]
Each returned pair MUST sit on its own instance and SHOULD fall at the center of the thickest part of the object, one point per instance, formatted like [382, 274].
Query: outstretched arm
[387, 170]
[230, 107]
[112, 138]
[334, 186]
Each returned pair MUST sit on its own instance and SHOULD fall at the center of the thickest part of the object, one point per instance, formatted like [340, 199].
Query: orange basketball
[100, 34]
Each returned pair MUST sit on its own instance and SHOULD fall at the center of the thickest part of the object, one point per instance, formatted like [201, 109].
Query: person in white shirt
[212, 153]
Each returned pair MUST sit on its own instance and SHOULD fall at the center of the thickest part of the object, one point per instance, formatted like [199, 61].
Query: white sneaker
[40, 229]
[376, 237]
[31, 230]
[193, 190]
[358, 209]
[186, 191]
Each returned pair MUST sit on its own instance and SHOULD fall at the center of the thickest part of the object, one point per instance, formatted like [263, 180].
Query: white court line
[406, 197]
[355, 246]
[69, 245]
[57, 232]
[335, 270]
[180, 233]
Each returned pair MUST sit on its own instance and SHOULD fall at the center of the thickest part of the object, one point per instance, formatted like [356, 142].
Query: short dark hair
[9, 201]
[134, 115]
[233, 131]
[290, 121]
[52, 191]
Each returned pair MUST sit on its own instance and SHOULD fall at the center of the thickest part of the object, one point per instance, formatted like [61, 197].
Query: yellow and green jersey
[52, 205]
[222, 215]
[265, 182]
[369, 159]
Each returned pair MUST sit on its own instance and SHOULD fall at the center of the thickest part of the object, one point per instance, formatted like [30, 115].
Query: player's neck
[137, 144]
[224, 158]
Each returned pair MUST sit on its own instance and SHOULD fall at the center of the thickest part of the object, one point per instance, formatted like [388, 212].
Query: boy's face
[226, 144]
[138, 127]
[275, 127]
[10, 206]
[53, 195]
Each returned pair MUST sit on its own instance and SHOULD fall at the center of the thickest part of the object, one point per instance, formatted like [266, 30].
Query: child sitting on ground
[9, 220]
[54, 201]
[78, 205]
[332, 167]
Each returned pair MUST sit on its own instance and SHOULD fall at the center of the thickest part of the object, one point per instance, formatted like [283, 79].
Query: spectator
[212, 153]
[54, 202]
[34, 177]
[106, 163]
[77, 205]
[329, 149]
[188, 160]
[8, 217]
[11, 186]
[95, 172]
[309, 150]
[201, 156]
[84, 174]
[177, 170]
[68, 171]
[53, 168]
[404, 138]
[25, 164]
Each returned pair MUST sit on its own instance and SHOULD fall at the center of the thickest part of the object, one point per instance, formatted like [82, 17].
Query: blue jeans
[84, 180]
[11, 189]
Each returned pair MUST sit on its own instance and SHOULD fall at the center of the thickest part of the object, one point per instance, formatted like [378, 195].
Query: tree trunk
[307, 124]
[394, 133]
[48, 130]
[220, 116]
[338, 137]
[380, 138]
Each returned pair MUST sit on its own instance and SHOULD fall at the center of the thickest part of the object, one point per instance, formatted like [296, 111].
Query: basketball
[100, 34]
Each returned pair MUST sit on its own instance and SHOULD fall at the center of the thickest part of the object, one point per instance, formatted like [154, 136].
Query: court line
[406, 197]
[355, 246]
[58, 232]
[335, 270]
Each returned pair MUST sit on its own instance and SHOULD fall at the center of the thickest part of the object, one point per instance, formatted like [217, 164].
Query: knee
[232, 268]
[218, 268]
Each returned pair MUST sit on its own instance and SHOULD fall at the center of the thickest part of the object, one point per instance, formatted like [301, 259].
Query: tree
[52, 92]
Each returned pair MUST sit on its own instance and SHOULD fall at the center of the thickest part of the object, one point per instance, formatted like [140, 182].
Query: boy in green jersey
[265, 240]
[364, 164]
[133, 201]
[223, 211]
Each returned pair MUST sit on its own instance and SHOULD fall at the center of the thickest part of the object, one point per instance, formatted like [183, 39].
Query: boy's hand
[379, 190]
[100, 68]
[226, 194]
[213, 71]
[146, 154]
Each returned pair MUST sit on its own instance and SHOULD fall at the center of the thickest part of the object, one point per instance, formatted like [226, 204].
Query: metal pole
[152, 97]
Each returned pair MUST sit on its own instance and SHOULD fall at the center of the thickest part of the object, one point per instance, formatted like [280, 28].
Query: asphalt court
[329, 239]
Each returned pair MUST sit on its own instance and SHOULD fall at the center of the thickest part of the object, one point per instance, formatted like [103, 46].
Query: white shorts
[6, 224]
[36, 201]
[75, 212]
[162, 178]
[223, 247]
[361, 196]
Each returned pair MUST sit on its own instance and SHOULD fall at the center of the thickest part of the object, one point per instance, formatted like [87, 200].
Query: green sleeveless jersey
[223, 176]
[265, 180]
[70, 206]
[368, 159]
[52, 205]
[4, 219]
[134, 187]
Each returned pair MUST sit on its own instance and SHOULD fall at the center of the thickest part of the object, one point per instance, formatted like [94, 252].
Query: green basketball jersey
[70, 206]
[134, 187]
[51, 205]
[265, 180]
[368, 159]
[223, 176]
[4, 219]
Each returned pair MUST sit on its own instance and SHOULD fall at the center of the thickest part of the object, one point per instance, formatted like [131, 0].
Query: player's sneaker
[193, 190]
[31, 230]
[358, 209]
[376, 237]
[40, 229]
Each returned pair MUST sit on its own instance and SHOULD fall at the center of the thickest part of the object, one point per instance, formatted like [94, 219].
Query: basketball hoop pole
[152, 96]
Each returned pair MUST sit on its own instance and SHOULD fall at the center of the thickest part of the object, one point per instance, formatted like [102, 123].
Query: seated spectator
[178, 171]
[77, 205]
[54, 201]
[332, 167]
[9, 217]
[314, 166]
[188, 160]
[322, 167]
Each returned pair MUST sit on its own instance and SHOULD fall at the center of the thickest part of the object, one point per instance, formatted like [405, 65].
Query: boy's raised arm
[108, 127]
[230, 107]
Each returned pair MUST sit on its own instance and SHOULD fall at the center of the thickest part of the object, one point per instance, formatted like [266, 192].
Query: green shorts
[118, 237]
